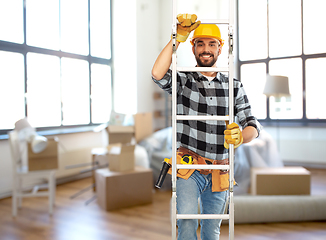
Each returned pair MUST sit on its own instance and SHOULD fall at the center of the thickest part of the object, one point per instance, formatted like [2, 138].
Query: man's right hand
[187, 23]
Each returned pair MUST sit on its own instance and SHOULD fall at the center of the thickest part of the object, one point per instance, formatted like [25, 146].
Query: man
[203, 93]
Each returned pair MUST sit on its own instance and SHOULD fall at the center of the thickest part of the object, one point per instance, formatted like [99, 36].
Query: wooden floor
[73, 220]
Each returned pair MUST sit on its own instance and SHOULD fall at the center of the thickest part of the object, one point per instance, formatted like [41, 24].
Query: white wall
[305, 145]
[124, 41]
[136, 46]
[147, 24]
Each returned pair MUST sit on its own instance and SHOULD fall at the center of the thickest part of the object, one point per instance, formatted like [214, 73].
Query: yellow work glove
[232, 135]
[187, 23]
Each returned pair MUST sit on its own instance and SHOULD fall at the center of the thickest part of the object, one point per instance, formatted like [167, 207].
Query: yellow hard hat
[207, 31]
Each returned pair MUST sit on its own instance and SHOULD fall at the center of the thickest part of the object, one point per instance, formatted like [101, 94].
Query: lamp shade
[39, 143]
[277, 86]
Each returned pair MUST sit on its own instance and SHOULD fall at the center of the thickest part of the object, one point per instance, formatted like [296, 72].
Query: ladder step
[202, 166]
[202, 117]
[203, 216]
[202, 69]
[215, 21]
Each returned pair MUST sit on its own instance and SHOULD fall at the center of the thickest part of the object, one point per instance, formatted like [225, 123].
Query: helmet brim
[192, 41]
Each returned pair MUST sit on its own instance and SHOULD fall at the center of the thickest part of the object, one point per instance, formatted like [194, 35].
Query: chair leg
[51, 193]
[19, 191]
[54, 188]
[14, 198]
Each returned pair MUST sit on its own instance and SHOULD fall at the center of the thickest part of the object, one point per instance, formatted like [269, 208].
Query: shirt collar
[200, 77]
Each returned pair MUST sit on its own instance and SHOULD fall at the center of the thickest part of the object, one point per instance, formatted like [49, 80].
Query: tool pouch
[183, 173]
[220, 180]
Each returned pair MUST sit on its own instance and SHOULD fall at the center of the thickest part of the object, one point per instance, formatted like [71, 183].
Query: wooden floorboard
[73, 219]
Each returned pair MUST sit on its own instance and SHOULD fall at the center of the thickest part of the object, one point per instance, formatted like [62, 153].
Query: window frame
[23, 49]
[268, 121]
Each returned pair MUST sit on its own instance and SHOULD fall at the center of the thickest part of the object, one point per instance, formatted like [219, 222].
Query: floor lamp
[277, 86]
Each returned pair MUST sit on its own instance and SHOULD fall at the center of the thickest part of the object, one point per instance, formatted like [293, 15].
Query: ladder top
[215, 21]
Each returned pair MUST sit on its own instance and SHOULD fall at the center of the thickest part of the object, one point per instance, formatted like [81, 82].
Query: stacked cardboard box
[120, 148]
[121, 157]
[123, 184]
[117, 190]
[280, 181]
[120, 134]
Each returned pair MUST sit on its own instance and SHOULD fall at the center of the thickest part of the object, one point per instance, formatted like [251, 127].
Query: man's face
[206, 51]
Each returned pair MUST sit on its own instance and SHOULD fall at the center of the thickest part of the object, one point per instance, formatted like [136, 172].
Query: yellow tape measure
[186, 159]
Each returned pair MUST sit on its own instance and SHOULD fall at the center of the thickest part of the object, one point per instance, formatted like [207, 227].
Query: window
[283, 38]
[55, 63]
[43, 90]
[12, 88]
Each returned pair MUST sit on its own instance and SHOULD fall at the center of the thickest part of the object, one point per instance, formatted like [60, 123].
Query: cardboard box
[121, 157]
[120, 134]
[280, 181]
[143, 125]
[45, 160]
[117, 190]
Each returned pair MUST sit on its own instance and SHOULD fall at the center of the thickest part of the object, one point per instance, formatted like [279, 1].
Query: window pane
[75, 91]
[313, 14]
[101, 93]
[290, 107]
[42, 23]
[12, 89]
[315, 87]
[252, 29]
[11, 21]
[43, 89]
[74, 26]
[100, 28]
[253, 77]
[284, 28]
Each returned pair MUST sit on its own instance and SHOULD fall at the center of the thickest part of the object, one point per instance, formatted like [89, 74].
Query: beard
[206, 62]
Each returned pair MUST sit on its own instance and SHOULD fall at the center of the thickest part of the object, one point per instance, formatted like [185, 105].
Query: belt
[204, 160]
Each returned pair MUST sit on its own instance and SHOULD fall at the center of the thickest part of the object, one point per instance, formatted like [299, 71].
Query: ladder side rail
[231, 114]
[174, 122]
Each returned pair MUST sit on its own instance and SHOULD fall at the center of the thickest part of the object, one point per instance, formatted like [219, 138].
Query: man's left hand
[232, 135]
[187, 23]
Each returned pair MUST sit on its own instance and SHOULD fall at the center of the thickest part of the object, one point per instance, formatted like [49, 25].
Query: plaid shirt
[197, 96]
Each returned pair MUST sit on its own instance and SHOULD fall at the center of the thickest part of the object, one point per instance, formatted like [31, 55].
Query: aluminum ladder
[230, 118]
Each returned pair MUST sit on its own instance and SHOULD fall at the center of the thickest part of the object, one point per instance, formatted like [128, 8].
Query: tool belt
[220, 178]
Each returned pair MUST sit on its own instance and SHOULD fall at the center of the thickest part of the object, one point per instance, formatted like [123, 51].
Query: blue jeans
[199, 186]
